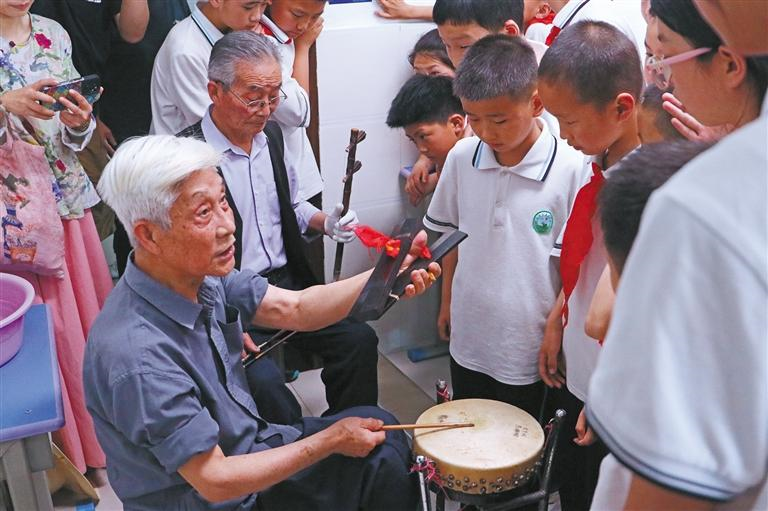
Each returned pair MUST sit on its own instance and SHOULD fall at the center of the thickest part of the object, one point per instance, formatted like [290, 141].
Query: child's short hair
[431, 44]
[597, 60]
[623, 197]
[651, 99]
[489, 14]
[424, 99]
[496, 65]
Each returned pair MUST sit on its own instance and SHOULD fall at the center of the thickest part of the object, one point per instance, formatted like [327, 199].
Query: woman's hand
[77, 111]
[689, 126]
[25, 102]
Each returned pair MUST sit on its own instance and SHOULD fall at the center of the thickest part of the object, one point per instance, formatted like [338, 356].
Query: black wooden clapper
[385, 286]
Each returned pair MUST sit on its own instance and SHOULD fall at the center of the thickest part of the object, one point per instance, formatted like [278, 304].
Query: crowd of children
[546, 129]
[551, 215]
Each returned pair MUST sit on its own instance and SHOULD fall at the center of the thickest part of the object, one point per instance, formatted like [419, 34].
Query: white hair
[142, 180]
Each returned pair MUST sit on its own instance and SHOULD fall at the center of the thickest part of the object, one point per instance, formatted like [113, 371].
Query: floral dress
[48, 54]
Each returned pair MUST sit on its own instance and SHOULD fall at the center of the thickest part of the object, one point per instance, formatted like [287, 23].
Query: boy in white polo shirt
[510, 188]
[589, 80]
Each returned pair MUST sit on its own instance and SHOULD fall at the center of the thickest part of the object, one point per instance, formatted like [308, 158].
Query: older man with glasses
[273, 223]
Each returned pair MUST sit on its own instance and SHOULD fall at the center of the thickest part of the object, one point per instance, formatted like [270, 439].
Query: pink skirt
[74, 302]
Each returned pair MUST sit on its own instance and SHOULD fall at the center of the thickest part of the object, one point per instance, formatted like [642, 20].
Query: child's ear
[625, 106]
[511, 28]
[457, 123]
[734, 66]
[543, 11]
[536, 103]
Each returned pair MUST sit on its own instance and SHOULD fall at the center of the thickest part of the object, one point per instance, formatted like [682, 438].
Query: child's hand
[689, 126]
[444, 322]
[309, 37]
[395, 10]
[584, 434]
[549, 367]
[417, 184]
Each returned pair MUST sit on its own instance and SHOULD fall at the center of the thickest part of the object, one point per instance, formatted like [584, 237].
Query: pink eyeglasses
[658, 70]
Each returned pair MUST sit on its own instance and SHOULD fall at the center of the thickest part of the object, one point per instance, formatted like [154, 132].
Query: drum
[498, 454]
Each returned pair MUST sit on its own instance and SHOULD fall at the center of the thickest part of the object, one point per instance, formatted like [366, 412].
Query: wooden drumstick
[442, 425]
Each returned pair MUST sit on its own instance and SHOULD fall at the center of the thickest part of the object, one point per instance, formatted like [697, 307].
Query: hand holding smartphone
[88, 86]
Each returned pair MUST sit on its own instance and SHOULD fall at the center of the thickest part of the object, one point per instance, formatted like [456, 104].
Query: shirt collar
[209, 30]
[221, 143]
[568, 12]
[167, 301]
[273, 30]
[535, 165]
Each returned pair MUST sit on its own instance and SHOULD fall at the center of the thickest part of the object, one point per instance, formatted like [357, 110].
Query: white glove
[340, 229]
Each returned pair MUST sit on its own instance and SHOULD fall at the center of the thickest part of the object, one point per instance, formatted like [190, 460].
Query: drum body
[498, 454]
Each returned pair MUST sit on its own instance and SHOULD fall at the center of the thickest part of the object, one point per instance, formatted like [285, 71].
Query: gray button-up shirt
[164, 382]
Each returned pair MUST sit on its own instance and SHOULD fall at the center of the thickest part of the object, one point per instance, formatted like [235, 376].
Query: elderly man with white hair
[163, 375]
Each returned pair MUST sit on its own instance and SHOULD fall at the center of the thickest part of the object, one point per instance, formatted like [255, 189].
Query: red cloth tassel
[372, 238]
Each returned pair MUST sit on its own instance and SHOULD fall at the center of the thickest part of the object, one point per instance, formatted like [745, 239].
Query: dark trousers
[349, 356]
[469, 384]
[576, 468]
[380, 481]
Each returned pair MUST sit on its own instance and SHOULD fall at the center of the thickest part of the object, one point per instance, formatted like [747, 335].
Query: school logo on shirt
[543, 221]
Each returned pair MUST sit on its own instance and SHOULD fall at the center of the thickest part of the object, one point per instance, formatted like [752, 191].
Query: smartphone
[88, 86]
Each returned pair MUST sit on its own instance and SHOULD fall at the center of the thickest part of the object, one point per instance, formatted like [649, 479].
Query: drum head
[499, 453]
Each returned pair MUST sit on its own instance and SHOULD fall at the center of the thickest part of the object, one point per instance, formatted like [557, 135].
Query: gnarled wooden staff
[353, 165]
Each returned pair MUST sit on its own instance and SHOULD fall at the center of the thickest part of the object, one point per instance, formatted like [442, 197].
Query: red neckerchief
[553, 35]
[578, 237]
[547, 21]
[268, 31]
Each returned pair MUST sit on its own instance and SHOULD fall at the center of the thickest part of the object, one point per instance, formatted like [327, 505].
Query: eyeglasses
[259, 104]
[659, 71]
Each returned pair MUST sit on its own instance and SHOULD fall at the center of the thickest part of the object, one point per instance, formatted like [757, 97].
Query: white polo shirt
[681, 391]
[505, 283]
[622, 14]
[179, 87]
[580, 350]
[294, 114]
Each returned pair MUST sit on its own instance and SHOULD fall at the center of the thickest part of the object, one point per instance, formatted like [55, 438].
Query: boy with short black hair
[433, 119]
[623, 198]
[654, 123]
[510, 188]
[461, 23]
[589, 80]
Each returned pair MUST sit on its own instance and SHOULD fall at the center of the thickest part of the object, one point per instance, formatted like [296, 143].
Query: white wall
[361, 64]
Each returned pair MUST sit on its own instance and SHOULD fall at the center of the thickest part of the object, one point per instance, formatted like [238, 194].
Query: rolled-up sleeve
[295, 110]
[163, 413]
[244, 290]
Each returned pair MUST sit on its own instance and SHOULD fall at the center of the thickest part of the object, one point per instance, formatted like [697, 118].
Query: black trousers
[469, 384]
[379, 482]
[576, 468]
[349, 356]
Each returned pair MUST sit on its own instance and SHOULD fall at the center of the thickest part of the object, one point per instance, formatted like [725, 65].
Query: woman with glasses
[716, 86]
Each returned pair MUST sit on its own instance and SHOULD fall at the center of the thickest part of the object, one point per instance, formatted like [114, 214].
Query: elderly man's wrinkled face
[254, 95]
[201, 240]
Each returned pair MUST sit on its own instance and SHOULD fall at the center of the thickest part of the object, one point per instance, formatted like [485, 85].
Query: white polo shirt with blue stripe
[505, 282]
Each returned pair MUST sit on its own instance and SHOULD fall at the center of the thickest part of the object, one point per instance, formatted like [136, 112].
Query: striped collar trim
[536, 165]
